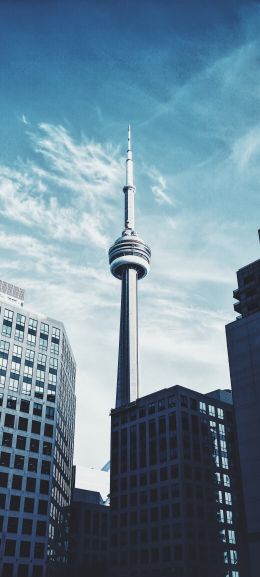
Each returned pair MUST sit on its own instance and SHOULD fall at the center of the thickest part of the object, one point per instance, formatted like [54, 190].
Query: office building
[243, 342]
[89, 534]
[37, 397]
[175, 487]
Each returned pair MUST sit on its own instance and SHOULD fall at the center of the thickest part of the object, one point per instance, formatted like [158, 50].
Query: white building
[37, 398]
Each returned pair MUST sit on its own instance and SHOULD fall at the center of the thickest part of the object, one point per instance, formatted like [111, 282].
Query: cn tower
[129, 259]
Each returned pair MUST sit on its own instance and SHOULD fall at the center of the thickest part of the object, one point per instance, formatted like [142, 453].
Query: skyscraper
[175, 484]
[37, 398]
[243, 342]
[129, 259]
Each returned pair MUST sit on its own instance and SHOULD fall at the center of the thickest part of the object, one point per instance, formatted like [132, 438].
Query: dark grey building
[89, 535]
[243, 342]
[37, 417]
[175, 487]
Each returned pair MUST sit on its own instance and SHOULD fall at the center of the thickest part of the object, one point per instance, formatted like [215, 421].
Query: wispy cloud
[159, 188]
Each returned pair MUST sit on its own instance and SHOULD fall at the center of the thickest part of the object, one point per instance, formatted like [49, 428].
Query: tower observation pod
[129, 259]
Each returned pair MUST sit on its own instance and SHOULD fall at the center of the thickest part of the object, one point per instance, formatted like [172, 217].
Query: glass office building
[243, 342]
[176, 505]
[37, 398]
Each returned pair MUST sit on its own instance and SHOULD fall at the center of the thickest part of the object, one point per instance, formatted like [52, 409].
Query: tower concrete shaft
[129, 259]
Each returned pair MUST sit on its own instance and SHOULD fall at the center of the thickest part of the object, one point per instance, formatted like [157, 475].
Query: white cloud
[159, 188]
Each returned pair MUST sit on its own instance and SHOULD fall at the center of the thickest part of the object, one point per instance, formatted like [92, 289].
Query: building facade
[37, 398]
[89, 534]
[243, 342]
[175, 487]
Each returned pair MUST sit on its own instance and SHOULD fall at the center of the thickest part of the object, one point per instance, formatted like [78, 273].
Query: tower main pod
[129, 259]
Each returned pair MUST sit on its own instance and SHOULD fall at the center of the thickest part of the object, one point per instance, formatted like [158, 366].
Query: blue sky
[186, 76]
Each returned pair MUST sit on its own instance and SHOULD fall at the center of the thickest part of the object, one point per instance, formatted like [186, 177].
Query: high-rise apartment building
[37, 398]
[175, 487]
[243, 342]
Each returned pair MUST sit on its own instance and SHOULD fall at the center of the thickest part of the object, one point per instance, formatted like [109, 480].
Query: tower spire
[129, 161]
[129, 259]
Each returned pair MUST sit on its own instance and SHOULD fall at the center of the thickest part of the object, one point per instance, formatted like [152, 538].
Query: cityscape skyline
[196, 171]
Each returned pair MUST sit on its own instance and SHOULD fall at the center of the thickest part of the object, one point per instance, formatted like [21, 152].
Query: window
[29, 357]
[10, 547]
[27, 527]
[9, 420]
[12, 525]
[3, 479]
[25, 547]
[4, 348]
[17, 353]
[25, 406]
[34, 445]
[48, 430]
[231, 536]
[23, 424]
[28, 505]
[40, 376]
[53, 366]
[32, 464]
[226, 480]
[41, 528]
[221, 516]
[20, 442]
[37, 409]
[15, 503]
[233, 557]
[7, 323]
[1, 399]
[42, 507]
[44, 332]
[39, 550]
[46, 467]
[171, 401]
[229, 517]
[49, 412]
[161, 404]
[228, 499]
[17, 482]
[224, 461]
[31, 484]
[220, 414]
[11, 402]
[151, 408]
[19, 462]
[47, 448]
[36, 427]
[41, 361]
[211, 410]
[5, 459]
[26, 387]
[15, 368]
[7, 439]
[202, 407]
[184, 401]
[13, 382]
[221, 428]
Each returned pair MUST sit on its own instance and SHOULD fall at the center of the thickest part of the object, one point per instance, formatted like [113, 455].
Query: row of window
[25, 549]
[19, 332]
[22, 424]
[29, 356]
[19, 482]
[17, 461]
[169, 403]
[22, 570]
[26, 526]
[25, 504]
[24, 406]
